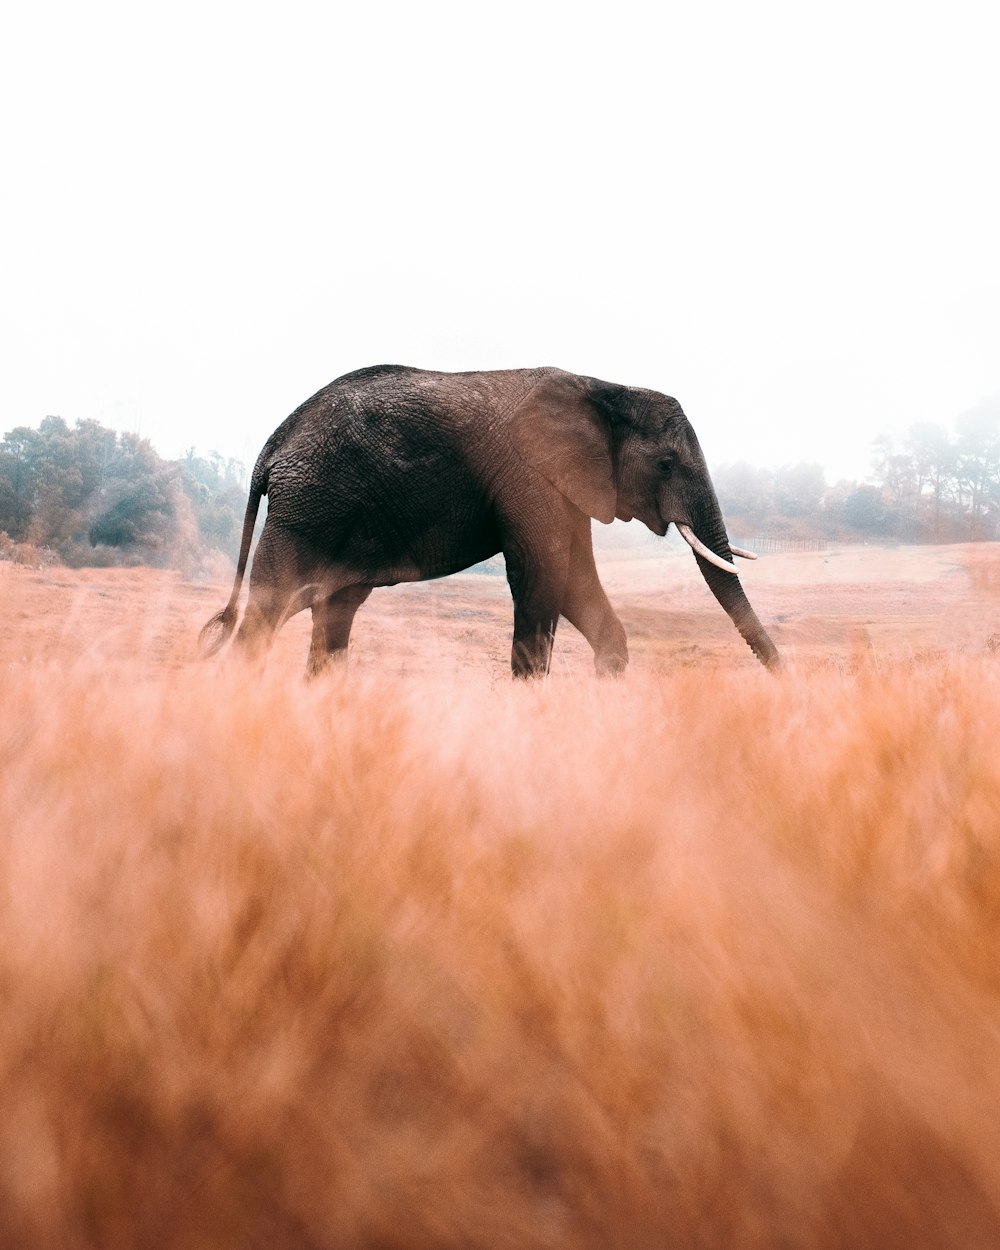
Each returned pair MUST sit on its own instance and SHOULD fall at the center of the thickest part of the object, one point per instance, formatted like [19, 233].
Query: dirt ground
[822, 607]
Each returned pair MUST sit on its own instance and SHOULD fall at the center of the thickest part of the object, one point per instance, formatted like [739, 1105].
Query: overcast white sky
[785, 214]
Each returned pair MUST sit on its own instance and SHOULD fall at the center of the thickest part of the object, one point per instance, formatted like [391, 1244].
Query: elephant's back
[405, 415]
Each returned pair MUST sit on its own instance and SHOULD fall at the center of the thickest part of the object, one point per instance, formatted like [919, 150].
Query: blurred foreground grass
[706, 959]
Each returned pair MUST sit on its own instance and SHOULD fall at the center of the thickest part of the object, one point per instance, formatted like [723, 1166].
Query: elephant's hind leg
[333, 616]
[267, 610]
[279, 587]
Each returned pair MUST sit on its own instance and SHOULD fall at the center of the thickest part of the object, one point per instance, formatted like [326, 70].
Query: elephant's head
[619, 451]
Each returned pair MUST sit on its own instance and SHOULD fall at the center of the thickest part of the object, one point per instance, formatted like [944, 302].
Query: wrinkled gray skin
[393, 474]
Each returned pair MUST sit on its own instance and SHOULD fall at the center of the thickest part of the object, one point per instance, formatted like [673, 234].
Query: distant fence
[770, 545]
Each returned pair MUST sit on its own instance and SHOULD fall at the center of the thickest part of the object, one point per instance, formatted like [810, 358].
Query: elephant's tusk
[745, 555]
[696, 545]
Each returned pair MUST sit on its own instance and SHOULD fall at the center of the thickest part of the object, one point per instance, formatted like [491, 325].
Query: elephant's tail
[216, 632]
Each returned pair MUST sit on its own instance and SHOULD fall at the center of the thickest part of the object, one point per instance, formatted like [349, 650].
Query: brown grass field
[413, 957]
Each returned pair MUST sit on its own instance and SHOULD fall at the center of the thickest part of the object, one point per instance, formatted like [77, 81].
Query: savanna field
[412, 957]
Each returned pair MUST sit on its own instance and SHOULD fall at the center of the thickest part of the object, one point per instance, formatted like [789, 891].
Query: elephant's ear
[561, 428]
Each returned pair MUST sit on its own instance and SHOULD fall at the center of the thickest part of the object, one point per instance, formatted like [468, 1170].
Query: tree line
[926, 486]
[89, 495]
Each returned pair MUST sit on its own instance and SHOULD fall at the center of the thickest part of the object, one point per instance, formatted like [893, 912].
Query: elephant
[394, 474]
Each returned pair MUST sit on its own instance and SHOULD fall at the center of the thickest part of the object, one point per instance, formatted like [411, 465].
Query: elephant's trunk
[727, 588]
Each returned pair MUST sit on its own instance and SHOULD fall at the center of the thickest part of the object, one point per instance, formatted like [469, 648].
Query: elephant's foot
[611, 664]
[325, 662]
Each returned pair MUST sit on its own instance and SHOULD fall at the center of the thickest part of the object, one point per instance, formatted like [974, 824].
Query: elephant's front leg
[537, 583]
[586, 606]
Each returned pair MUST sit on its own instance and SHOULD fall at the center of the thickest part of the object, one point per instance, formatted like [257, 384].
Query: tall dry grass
[700, 960]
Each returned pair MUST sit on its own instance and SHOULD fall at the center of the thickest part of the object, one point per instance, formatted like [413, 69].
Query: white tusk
[745, 555]
[695, 543]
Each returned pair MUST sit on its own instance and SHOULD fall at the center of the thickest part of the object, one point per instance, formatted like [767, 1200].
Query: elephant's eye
[665, 466]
